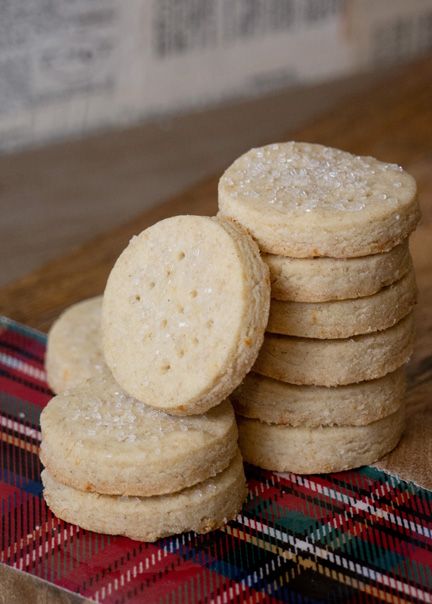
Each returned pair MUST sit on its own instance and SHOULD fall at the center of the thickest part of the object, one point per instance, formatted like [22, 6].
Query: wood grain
[392, 122]
[19, 587]
[46, 192]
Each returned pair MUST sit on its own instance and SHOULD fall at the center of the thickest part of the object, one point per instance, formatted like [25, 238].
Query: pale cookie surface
[201, 508]
[184, 313]
[316, 450]
[336, 362]
[324, 279]
[277, 402]
[305, 200]
[97, 438]
[345, 318]
[74, 352]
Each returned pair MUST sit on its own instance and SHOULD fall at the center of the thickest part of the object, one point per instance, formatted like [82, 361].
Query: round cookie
[345, 318]
[336, 362]
[97, 438]
[304, 200]
[315, 450]
[324, 279]
[74, 351]
[184, 313]
[201, 508]
[275, 402]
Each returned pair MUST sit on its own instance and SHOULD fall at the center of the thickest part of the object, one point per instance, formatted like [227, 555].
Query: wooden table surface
[60, 195]
[393, 122]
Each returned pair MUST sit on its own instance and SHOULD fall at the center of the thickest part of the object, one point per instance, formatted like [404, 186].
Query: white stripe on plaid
[22, 366]
[365, 506]
[355, 567]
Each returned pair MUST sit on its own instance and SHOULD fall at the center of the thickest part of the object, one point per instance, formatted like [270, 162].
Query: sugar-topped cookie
[203, 507]
[74, 352]
[184, 313]
[305, 200]
[97, 438]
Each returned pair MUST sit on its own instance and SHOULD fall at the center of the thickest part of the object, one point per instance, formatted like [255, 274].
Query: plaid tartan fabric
[359, 536]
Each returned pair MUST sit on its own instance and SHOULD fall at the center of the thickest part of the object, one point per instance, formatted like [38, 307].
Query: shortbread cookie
[275, 402]
[345, 318]
[74, 351]
[305, 200]
[201, 508]
[97, 438]
[316, 450]
[324, 279]
[184, 313]
[336, 362]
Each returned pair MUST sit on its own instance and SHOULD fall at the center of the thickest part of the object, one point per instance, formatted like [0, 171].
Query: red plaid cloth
[359, 536]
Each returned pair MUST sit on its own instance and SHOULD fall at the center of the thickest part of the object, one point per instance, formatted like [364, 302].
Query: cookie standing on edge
[184, 313]
[74, 352]
[304, 200]
[97, 438]
[202, 508]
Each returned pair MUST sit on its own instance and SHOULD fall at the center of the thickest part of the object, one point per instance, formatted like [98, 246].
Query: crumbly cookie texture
[304, 200]
[74, 351]
[201, 508]
[276, 402]
[327, 279]
[184, 313]
[345, 318]
[97, 438]
[307, 361]
[315, 450]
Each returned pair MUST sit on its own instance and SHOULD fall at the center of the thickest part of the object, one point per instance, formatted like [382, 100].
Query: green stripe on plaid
[360, 536]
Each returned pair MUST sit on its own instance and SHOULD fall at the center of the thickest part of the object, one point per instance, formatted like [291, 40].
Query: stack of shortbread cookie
[141, 439]
[327, 389]
[147, 447]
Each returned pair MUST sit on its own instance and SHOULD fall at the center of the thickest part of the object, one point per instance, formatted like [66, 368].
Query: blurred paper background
[109, 107]
[70, 66]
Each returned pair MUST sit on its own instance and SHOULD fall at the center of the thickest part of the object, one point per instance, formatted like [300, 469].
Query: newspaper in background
[70, 66]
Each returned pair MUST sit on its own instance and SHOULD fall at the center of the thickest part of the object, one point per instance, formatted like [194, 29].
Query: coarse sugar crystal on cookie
[184, 313]
[304, 200]
[276, 402]
[345, 318]
[97, 438]
[315, 450]
[74, 350]
[204, 507]
[329, 279]
[310, 361]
